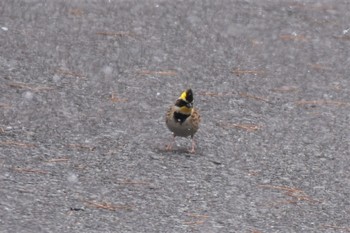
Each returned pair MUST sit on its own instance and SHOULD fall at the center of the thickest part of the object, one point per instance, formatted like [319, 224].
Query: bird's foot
[169, 147]
[192, 151]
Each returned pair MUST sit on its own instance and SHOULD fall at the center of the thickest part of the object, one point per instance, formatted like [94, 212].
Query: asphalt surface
[85, 86]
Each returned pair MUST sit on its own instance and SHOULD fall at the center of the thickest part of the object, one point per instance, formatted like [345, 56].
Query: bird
[182, 119]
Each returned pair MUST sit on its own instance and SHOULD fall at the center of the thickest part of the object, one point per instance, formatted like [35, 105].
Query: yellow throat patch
[185, 110]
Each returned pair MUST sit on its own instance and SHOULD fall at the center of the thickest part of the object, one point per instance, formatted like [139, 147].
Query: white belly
[182, 130]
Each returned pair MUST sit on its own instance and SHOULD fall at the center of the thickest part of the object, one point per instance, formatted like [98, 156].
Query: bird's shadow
[175, 151]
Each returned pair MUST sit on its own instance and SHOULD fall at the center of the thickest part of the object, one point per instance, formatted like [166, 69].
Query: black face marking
[179, 117]
[189, 96]
[189, 105]
[180, 103]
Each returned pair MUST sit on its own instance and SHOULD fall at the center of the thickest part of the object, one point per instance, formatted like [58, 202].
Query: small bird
[182, 119]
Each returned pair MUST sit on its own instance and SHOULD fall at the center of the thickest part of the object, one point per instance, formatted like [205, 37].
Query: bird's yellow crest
[183, 96]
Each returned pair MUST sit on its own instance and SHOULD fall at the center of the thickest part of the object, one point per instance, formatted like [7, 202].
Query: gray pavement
[85, 86]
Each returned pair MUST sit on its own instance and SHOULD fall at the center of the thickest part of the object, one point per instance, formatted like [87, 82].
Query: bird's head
[184, 103]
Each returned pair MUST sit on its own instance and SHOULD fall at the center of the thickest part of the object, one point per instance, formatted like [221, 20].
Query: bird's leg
[169, 147]
[192, 151]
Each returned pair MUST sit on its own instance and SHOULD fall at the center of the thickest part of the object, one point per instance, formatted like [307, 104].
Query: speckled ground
[85, 86]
